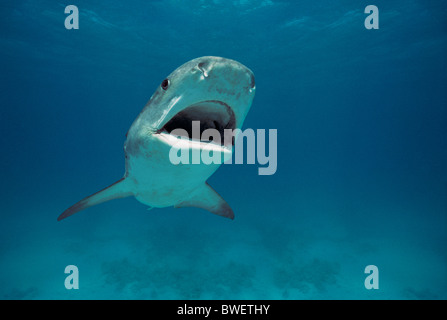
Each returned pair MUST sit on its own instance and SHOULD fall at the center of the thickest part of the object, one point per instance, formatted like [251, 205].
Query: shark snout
[229, 71]
[252, 79]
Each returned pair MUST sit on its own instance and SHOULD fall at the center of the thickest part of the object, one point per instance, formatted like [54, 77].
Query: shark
[214, 92]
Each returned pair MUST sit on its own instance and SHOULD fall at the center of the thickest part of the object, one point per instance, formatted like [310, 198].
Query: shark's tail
[115, 191]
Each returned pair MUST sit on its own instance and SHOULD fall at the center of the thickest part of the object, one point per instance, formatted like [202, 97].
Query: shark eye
[165, 84]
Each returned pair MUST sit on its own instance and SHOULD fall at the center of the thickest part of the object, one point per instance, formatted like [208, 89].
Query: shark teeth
[211, 114]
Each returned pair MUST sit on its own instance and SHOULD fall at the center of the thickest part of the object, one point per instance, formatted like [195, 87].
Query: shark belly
[161, 183]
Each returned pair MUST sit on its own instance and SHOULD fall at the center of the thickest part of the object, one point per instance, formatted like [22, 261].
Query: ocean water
[361, 179]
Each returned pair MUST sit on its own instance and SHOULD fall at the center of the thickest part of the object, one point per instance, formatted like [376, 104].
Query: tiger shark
[213, 91]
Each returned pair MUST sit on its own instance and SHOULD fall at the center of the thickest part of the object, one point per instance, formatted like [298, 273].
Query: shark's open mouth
[210, 114]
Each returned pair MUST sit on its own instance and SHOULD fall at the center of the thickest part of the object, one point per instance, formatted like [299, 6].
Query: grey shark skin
[216, 91]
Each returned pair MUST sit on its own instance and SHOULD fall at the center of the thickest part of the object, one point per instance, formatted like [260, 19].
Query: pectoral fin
[117, 190]
[206, 198]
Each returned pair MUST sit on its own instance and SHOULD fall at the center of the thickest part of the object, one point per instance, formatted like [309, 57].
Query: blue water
[362, 151]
